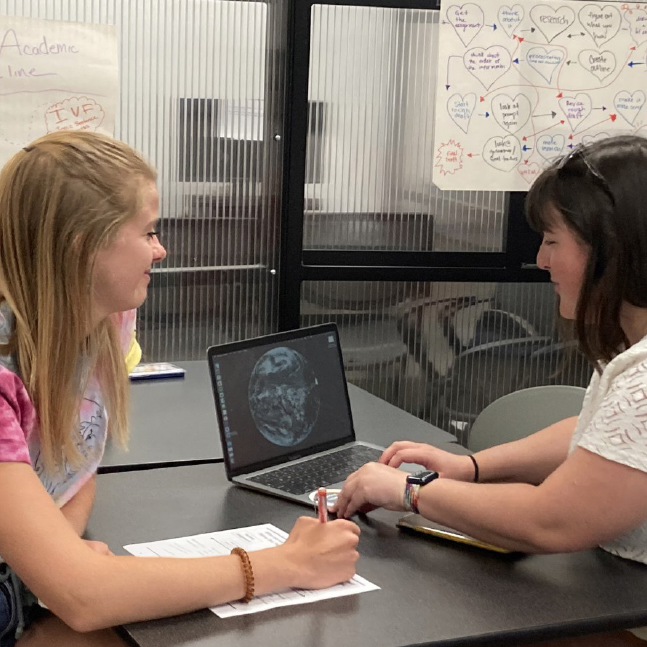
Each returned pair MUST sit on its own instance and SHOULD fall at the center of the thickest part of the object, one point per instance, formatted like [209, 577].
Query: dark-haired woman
[582, 482]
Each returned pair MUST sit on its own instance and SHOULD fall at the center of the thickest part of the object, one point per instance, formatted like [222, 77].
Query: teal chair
[524, 412]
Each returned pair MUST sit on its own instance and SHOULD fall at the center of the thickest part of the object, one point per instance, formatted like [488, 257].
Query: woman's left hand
[373, 485]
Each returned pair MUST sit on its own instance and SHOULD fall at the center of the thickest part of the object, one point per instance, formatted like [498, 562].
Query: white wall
[351, 71]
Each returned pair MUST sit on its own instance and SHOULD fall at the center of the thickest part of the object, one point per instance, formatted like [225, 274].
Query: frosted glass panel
[370, 142]
[444, 351]
[200, 94]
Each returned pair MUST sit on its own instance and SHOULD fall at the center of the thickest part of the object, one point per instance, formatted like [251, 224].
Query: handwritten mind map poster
[520, 84]
[54, 75]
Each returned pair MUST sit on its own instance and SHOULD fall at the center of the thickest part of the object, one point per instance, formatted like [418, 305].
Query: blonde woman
[78, 213]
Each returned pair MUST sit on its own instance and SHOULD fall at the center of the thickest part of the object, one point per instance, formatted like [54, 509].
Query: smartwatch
[412, 489]
[422, 478]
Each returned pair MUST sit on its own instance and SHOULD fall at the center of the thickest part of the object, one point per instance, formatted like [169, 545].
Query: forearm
[529, 460]
[510, 515]
[101, 590]
[108, 591]
[77, 510]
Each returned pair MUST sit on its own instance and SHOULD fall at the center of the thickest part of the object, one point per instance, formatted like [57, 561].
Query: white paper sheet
[250, 538]
[55, 75]
[521, 83]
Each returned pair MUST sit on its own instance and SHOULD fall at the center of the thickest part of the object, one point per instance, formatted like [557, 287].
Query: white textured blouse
[613, 424]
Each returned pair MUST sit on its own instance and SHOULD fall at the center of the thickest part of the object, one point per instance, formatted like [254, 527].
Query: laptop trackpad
[331, 495]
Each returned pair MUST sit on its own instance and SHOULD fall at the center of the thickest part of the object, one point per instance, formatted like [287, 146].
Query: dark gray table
[174, 422]
[433, 593]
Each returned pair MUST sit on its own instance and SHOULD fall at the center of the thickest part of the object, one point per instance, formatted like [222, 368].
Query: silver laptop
[284, 413]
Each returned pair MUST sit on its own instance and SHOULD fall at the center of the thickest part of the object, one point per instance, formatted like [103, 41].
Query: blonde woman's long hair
[62, 199]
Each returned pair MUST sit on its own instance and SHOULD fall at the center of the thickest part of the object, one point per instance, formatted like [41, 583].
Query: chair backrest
[481, 375]
[524, 412]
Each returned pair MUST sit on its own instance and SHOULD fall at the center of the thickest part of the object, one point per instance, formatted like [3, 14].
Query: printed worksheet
[250, 538]
[522, 84]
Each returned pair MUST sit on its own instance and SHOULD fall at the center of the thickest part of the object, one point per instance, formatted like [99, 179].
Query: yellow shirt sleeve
[134, 355]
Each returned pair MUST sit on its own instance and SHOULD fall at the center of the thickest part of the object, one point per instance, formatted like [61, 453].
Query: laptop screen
[280, 397]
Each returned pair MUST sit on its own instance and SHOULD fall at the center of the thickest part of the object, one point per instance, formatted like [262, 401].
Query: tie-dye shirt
[19, 437]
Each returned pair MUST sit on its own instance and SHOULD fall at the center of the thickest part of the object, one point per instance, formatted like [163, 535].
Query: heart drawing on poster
[551, 22]
[576, 109]
[600, 64]
[591, 139]
[544, 62]
[601, 23]
[529, 172]
[487, 65]
[502, 153]
[550, 147]
[467, 21]
[461, 109]
[510, 113]
[637, 19]
[629, 105]
[510, 17]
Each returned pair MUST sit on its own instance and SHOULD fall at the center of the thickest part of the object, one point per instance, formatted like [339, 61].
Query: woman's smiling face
[565, 257]
[122, 270]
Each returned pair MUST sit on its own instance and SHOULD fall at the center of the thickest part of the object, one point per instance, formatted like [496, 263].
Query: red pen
[322, 504]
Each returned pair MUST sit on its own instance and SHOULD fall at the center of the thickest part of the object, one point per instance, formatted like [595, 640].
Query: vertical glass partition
[201, 95]
[372, 86]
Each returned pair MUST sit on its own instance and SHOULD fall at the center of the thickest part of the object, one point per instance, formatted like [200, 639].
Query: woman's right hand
[448, 465]
[322, 554]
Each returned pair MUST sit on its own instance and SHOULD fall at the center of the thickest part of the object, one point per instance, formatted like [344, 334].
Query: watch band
[410, 499]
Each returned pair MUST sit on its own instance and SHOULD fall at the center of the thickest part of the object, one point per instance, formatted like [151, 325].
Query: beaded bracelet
[247, 572]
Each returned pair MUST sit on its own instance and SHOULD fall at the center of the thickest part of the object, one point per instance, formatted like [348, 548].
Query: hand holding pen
[321, 552]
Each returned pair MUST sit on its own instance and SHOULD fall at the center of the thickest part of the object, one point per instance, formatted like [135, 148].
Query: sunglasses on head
[580, 151]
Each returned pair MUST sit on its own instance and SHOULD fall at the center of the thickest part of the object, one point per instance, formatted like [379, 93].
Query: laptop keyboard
[318, 472]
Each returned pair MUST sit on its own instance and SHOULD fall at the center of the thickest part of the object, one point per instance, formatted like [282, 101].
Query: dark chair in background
[470, 351]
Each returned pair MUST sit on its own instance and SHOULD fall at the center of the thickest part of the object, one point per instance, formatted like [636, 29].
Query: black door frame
[516, 264]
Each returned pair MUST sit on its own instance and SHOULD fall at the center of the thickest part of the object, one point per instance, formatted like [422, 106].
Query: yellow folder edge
[419, 524]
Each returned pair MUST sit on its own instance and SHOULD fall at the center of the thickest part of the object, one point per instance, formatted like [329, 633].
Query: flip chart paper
[521, 84]
[55, 75]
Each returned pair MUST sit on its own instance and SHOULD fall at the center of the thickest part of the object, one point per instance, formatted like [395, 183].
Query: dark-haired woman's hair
[600, 192]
